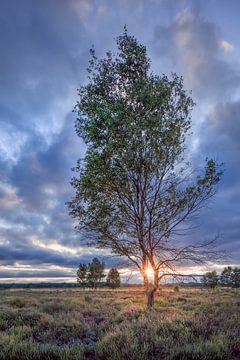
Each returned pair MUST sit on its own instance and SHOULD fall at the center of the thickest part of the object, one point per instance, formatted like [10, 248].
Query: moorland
[75, 324]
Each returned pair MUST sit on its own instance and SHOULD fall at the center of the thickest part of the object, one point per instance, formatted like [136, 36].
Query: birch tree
[134, 189]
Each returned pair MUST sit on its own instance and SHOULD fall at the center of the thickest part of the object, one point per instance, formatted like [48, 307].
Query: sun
[149, 271]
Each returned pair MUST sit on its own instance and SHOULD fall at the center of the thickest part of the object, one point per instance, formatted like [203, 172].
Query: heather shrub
[176, 288]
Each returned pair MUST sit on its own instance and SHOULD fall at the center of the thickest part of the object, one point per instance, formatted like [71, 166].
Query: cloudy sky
[44, 47]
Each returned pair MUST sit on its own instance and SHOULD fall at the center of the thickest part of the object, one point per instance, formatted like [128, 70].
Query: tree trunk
[150, 297]
[151, 289]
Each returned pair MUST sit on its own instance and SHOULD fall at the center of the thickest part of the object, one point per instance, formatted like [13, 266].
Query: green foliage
[92, 274]
[210, 279]
[95, 272]
[226, 276]
[82, 274]
[231, 276]
[113, 279]
[236, 277]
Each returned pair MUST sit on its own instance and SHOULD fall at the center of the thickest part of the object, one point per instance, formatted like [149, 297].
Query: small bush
[176, 288]
[55, 307]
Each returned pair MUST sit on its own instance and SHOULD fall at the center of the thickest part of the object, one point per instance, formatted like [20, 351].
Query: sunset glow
[149, 272]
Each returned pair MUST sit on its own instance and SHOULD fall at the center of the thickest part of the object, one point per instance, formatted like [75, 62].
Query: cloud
[219, 139]
[40, 68]
[227, 47]
[44, 53]
[37, 253]
[194, 46]
[225, 121]
[8, 196]
[12, 142]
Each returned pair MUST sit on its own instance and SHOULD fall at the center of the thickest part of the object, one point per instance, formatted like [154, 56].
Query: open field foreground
[75, 324]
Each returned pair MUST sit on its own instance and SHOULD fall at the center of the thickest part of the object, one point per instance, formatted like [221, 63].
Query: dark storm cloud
[225, 122]
[13, 274]
[38, 51]
[34, 255]
[41, 66]
[219, 136]
[39, 176]
[197, 49]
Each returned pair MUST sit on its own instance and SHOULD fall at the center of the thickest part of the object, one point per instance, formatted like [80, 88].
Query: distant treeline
[229, 277]
[49, 285]
[92, 275]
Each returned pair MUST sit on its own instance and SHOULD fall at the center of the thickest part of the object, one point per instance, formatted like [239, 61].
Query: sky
[44, 47]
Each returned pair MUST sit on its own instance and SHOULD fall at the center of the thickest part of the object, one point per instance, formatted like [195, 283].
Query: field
[71, 324]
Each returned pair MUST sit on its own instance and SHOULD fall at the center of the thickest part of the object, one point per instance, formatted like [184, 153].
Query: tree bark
[151, 289]
[150, 297]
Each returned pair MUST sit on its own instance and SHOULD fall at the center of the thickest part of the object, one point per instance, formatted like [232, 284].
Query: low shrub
[176, 288]
[28, 350]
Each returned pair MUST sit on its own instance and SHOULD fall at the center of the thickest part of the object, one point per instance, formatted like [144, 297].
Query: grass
[75, 324]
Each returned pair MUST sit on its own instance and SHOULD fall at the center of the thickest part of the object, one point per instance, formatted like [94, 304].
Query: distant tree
[95, 272]
[210, 279]
[135, 186]
[113, 279]
[230, 276]
[226, 276]
[82, 274]
[236, 277]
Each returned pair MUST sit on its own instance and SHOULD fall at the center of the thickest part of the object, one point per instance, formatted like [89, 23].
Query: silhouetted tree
[82, 274]
[226, 276]
[210, 279]
[95, 273]
[231, 276]
[236, 277]
[113, 279]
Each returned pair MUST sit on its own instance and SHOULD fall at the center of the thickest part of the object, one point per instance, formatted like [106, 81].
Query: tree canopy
[95, 272]
[229, 277]
[82, 274]
[210, 279]
[91, 275]
[113, 279]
